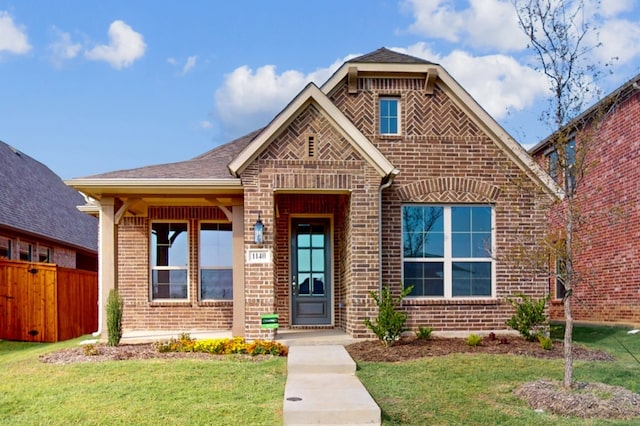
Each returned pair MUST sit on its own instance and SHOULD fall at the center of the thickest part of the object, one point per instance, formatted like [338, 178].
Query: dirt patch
[411, 348]
[131, 352]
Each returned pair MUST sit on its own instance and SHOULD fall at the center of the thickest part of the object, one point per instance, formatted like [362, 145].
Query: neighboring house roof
[34, 200]
[598, 110]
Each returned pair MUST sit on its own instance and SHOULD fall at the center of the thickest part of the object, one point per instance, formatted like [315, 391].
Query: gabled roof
[598, 110]
[386, 56]
[35, 201]
[311, 94]
[391, 63]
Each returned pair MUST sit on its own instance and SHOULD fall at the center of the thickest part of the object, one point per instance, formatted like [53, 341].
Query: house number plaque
[259, 256]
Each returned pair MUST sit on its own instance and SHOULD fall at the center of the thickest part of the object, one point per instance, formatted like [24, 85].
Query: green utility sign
[269, 321]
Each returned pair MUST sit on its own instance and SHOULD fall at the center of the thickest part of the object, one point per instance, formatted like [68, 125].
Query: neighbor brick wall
[133, 282]
[608, 252]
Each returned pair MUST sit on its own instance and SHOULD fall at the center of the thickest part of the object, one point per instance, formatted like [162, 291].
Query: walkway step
[322, 389]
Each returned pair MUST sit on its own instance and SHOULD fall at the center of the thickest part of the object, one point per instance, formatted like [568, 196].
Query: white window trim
[398, 99]
[200, 267]
[448, 259]
[169, 268]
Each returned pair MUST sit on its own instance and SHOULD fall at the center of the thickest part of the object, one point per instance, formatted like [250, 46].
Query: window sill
[169, 303]
[215, 302]
[423, 301]
[557, 302]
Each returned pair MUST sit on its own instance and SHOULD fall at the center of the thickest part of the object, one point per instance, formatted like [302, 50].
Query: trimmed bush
[114, 318]
[529, 319]
[389, 325]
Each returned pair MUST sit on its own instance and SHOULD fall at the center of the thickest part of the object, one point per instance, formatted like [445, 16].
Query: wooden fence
[41, 302]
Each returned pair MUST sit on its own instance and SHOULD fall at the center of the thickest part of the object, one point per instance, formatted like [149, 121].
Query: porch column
[237, 328]
[106, 261]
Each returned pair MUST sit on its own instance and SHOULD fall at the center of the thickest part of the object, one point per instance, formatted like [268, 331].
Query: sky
[91, 86]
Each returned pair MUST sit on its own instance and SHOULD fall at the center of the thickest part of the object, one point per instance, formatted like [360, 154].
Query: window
[447, 250]
[26, 251]
[169, 260]
[5, 248]
[556, 169]
[389, 109]
[561, 274]
[216, 261]
[44, 254]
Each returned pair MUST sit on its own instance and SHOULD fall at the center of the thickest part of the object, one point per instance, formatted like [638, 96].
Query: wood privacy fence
[41, 302]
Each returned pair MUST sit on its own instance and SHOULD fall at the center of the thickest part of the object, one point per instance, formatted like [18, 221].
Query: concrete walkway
[322, 388]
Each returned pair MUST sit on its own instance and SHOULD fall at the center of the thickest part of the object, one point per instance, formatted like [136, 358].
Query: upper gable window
[389, 116]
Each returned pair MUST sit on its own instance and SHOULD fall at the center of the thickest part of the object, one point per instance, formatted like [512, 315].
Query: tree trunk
[568, 344]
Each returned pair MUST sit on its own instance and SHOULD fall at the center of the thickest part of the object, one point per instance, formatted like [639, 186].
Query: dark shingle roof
[210, 165]
[386, 56]
[33, 199]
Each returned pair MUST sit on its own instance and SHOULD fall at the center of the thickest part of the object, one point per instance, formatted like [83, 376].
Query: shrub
[90, 349]
[114, 318]
[424, 333]
[545, 342]
[390, 322]
[529, 316]
[474, 340]
[222, 346]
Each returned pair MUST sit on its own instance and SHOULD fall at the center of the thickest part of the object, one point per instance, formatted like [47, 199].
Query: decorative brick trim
[449, 189]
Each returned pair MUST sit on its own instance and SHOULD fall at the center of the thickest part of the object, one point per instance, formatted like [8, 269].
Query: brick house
[388, 174]
[39, 221]
[607, 135]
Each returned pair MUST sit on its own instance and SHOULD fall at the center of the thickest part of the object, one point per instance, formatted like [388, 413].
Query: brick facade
[313, 166]
[609, 240]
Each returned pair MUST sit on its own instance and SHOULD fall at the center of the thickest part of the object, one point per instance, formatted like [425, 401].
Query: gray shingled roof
[210, 165]
[386, 56]
[33, 199]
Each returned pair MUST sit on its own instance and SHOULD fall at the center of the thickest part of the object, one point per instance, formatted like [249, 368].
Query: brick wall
[140, 312]
[608, 242]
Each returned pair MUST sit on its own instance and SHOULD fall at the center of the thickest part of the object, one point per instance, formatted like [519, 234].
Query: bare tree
[559, 34]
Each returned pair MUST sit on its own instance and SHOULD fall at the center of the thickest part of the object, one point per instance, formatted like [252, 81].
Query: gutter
[386, 183]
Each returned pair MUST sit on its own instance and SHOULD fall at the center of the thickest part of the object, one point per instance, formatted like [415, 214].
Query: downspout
[386, 183]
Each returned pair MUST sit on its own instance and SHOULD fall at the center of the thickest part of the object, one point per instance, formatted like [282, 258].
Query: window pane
[169, 284]
[216, 284]
[388, 116]
[169, 244]
[471, 232]
[304, 260]
[423, 234]
[317, 260]
[471, 279]
[426, 278]
[5, 247]
[303, 284]
[216, 247]
[318, 284]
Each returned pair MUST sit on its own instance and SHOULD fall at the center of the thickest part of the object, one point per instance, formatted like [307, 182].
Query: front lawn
[477, 389]
[156, 391]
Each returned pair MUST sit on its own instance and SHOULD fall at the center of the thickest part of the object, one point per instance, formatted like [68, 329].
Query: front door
[310, 272]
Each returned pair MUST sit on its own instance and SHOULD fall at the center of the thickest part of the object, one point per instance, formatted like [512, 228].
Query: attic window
[389, 116]
[311, 146]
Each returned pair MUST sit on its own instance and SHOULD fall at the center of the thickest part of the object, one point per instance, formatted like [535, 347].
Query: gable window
[5, 248]
[216, 263]
[389, 110]
[447, 250]
[169, 260]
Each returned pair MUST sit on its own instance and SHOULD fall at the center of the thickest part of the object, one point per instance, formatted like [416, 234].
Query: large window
[389, 116]
[216, 261]
[447, 250]
[169, 260]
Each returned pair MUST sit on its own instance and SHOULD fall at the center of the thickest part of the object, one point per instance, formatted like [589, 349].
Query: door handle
[294, 286]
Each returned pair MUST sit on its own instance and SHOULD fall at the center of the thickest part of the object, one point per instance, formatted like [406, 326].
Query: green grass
[477, 389]
[143, 392]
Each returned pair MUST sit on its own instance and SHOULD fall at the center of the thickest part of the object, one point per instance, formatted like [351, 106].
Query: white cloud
[250, 98]
[63, 48]
[206, 124]
[172, 61]
[13, 38]
[481, 24]
[620, 38]
[189, 65]
[497, 82]
[125, 46]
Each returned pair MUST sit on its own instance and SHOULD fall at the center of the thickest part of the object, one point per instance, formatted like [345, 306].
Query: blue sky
[93, 86]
